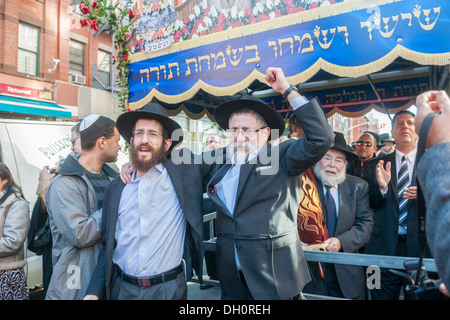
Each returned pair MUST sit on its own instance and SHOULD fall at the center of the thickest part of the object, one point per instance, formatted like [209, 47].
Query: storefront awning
[33, 107]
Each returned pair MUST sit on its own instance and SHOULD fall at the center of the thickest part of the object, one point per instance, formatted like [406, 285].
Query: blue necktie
[330, 207]
[403, 182]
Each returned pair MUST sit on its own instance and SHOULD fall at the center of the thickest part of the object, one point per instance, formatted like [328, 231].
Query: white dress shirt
[150, 227]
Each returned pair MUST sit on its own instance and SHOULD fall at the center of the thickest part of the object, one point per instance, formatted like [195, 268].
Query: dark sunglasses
[360, 143]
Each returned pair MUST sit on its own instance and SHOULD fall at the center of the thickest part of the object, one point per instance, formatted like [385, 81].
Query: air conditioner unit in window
[78, 79]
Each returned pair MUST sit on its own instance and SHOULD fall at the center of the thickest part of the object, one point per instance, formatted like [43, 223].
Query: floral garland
[206, 20]
[121, 20]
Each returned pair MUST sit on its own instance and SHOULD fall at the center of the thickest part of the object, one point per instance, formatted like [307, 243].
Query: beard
[158, 156]
[239, 150]
[333, 181]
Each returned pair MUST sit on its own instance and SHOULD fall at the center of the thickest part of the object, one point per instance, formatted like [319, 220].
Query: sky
[383, 118]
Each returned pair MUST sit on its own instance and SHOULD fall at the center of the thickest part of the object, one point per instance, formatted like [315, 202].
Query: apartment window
[104, 67]
[76, 57]
[28, 54]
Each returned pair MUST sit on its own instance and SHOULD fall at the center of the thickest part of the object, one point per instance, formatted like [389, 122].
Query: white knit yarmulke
[88, 121]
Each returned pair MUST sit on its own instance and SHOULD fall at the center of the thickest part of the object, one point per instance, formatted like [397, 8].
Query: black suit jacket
[263, 225]
[386, 213]
[188, 182]
[353, 229]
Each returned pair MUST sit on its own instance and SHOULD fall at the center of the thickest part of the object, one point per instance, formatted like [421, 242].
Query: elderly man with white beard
[348, 216]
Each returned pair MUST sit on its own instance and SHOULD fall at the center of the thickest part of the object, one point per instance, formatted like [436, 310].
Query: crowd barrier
[358, 259]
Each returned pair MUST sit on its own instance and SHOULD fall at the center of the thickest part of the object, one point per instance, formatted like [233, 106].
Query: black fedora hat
[126, 121]
[341, 145]
[386, 137]
[273, 119]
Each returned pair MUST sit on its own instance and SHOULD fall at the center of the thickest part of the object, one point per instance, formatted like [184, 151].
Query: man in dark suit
[348, 217]
[395, 231]
[151, 223]
[257, 191]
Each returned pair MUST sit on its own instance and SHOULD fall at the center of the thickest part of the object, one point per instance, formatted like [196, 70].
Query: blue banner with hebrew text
[348, 39]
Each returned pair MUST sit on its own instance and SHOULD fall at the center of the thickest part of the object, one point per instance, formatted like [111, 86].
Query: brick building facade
[45, 55]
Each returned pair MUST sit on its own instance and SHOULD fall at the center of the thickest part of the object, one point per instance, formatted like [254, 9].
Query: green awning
[33, 107]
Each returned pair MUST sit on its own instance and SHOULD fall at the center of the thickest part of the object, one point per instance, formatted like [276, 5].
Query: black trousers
[391, 283]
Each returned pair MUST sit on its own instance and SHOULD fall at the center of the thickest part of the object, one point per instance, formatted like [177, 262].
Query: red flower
[156, 6]
[84, 9]
[263, 17]
[277, 13]
[291, 9]
[206, 12]
[131, 14]
[203, 33]
[185, 29]
[248, 12]
[95, 5]
[140, 43]
[125, 57]
[252, 19]
[287, 2]
[221, 17]
[313, 5]
[186, 20]
[127, 36]
[93, 24]
[237, 24]
[84, 22]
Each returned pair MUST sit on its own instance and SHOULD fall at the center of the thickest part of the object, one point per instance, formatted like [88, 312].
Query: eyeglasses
[139, 134]
[361, 143]
[337, 160]
[73, 140]
[245, 132]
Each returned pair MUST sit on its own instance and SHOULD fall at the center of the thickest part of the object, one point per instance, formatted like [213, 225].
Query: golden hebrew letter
[171, 65]
[283, 41]
[398, 92]
[274, 44]
[311, 44]
[426, 12]
[387, 33]
[257, 58]
[188, 61]
[317, 33]
[368, 25]
[361, 93]
[202, 58]
[407, 16]
[145, 71]
[234, 61]
[163, 67]
[155, 69]
[344, 29]
[216, 57]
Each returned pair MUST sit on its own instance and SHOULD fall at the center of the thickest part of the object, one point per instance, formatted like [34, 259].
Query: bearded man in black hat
[149, 222]
[256, 193]
[348, 218]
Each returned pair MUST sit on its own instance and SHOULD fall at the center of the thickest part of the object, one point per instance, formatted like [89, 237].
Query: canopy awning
[351, 39]
[33, 107]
